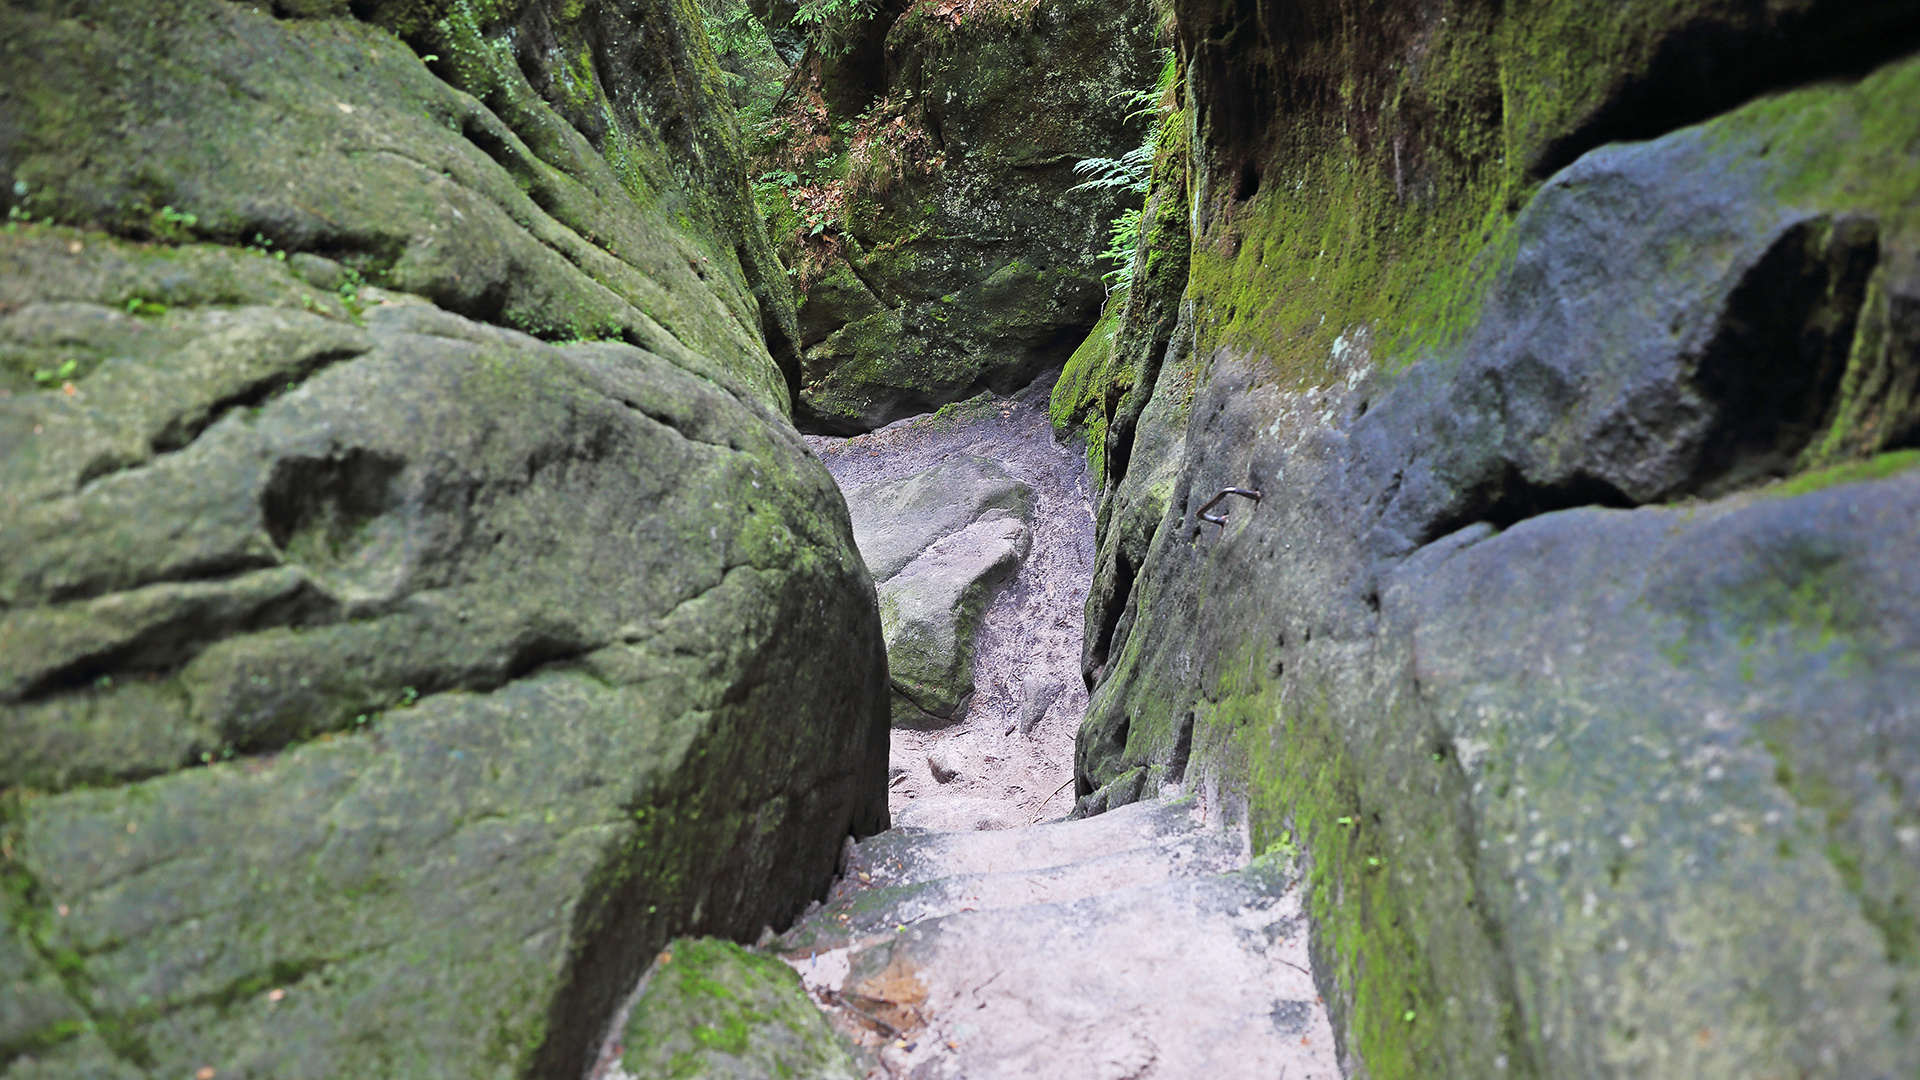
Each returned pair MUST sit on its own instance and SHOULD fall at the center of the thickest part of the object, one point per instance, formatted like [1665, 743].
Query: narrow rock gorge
[606, 539]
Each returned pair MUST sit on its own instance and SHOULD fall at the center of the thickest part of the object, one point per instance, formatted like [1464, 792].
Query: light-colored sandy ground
[1028, 656]
[1135, 945]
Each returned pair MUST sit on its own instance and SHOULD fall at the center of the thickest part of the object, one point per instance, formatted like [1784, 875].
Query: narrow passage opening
[976, 523]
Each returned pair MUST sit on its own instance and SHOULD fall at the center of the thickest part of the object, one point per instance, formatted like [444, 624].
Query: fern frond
[1130, 171]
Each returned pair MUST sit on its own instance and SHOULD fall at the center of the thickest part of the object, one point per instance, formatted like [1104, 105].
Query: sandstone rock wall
[1571, 635]
[418, 608]
[931, 222]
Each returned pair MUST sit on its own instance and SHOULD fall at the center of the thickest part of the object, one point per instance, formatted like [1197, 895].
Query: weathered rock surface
[569, 170]
[895, 522]
[1140, 943]
[381, 687]
[495, 634]
[957, 259]
[709, 1008]
[931, 611]
[1572, 633]
[938, 544]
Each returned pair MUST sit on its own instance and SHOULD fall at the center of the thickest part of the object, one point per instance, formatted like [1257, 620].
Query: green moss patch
[1878, 467]
[710, 1008]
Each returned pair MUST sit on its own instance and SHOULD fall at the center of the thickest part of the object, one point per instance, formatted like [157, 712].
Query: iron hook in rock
[1221, 519]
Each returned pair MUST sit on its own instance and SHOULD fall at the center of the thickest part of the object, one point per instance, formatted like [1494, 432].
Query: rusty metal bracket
[1221, 519]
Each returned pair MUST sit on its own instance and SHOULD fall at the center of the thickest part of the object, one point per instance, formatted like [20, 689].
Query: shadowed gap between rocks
[1711, 65]
[1774, 370]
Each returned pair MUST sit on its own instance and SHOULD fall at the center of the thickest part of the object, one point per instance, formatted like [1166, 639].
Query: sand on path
[1028, 654]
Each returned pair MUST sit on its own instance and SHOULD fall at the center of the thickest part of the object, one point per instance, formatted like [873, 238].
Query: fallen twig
[846, 999]
[840, 1000]
[1043, 802]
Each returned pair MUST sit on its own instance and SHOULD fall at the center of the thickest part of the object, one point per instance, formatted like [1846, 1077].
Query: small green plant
[1131, 173]
[777, 180]
[170, 224]
[260, 245]
[1123, 239]
[774, 191]
[19, 212]
[147, 308]
[1284, 845]
[49, 377]
[831, 24]
[349, 288]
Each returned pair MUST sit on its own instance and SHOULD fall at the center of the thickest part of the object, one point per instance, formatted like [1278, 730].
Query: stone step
[901, 877]
[1138, 944]
[1147, 824]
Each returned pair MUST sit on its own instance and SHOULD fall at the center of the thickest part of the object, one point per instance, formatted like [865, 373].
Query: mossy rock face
[403, 675]
[1571, 635]
[1109, 379]
[589, 185]
[381, 685]
[709, 1008]
[967, 263]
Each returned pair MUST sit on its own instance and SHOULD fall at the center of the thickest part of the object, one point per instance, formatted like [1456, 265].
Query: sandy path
[1028, 656]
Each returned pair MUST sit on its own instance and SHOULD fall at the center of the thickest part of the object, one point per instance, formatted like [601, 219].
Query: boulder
[438, 639]
[709, 1008]
[897, 521]
[931, 612]
[1038, 692]
[939, 543]
[382, 685]
[588, 185]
